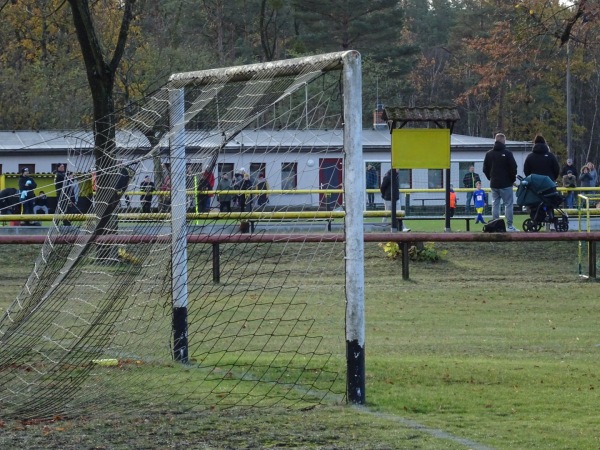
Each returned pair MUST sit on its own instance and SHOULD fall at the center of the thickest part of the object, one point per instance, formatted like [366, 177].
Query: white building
[304, 159]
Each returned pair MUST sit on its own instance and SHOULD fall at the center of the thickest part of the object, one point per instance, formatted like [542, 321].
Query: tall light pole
[569, 114]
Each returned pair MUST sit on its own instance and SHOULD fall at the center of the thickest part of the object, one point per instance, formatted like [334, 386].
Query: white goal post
[354, 194]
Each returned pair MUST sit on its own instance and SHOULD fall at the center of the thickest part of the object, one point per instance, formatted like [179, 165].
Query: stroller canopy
[534, 189]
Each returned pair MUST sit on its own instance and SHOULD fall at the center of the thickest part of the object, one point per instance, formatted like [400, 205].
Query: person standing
[164, 202]
[224, 198]
[469, 181]
[585, 178]
[570, 182]
[541, 161]
[568, 166]
[262, 185]
[452, 201]
[147, 187]
[500, 167]
[26, 187]
[206, 183]
[244, 184]
[593, 173]
[71, 195]
[479, 201]
[371, 182]
[390, 195]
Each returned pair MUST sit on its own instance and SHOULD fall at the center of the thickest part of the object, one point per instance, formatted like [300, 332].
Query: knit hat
[539, 139]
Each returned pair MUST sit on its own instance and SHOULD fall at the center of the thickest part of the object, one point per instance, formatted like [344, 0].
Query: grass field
[496, 346]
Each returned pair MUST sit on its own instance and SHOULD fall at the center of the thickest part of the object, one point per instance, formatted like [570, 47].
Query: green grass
[496, 345]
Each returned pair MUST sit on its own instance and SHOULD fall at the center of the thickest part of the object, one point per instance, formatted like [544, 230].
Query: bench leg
[592, 259]
[468, 224]
[216, 257]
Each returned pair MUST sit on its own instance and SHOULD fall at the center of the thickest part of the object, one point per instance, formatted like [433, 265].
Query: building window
[405, 178]
[435, 178]
[225, 168]
[289, 175]
[256, 169]
[31, 168]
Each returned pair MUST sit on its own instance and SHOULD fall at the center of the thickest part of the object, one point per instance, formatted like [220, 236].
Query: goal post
[350, 64]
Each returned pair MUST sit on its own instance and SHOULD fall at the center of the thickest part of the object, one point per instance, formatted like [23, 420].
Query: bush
[425, 252]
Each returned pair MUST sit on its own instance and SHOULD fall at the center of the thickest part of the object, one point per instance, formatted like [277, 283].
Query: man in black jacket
[390, 193]
[500, 167]
[541, 161]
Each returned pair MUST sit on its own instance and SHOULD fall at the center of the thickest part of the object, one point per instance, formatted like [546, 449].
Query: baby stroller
[539, 193]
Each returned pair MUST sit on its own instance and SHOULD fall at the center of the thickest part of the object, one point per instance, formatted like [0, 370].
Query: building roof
[373, 140]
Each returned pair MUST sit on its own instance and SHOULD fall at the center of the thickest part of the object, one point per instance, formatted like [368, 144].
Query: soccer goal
[217, 260]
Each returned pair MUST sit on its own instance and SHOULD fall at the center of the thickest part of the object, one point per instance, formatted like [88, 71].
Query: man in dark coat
[469, 181]
[26, 187]
[9, 199]
[541, 161]
[568, 166]
[500, 167]
[390, 193]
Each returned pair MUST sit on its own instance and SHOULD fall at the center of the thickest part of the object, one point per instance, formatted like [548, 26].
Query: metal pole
[178, 228]
[448, 200]
[394, 192]
[354, 232]
[569, 110]
[592, 259]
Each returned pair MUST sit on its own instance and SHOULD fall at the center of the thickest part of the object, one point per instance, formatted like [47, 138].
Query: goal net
[208, 255]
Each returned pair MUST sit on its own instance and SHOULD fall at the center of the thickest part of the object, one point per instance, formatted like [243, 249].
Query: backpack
[495, 226]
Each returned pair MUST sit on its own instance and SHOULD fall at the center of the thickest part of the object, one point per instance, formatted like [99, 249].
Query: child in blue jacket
[479, 200]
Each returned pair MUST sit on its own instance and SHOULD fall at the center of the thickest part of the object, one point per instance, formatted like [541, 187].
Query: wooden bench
[467, 219]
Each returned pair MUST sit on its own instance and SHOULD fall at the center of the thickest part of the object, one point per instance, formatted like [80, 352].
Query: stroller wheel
[561, 224]
[531, 225]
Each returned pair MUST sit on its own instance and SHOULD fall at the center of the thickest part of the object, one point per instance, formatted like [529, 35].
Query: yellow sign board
[421, 148]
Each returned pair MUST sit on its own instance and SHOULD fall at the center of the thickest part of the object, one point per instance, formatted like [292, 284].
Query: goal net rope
[160, 298]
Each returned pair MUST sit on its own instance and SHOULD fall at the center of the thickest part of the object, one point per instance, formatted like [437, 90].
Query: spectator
[569, 181]
[500, 167]
[541, 161]
[452, 201]
[568, 166]
[593, 173]
[223, 197]
[26, 188]
[479, 201]
[59, 179]
[190, 186]
[371, 182]
[86, 194]
[585, 178]
[243, 184]
[469, 181]
[164, 202]
[390, 194]
[206, 183]
[147, 187]
[71, 194]
[262, 185]
[9, 201]
[41, 203]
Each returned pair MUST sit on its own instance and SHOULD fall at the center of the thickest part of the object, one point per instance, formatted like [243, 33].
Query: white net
[170, 295]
